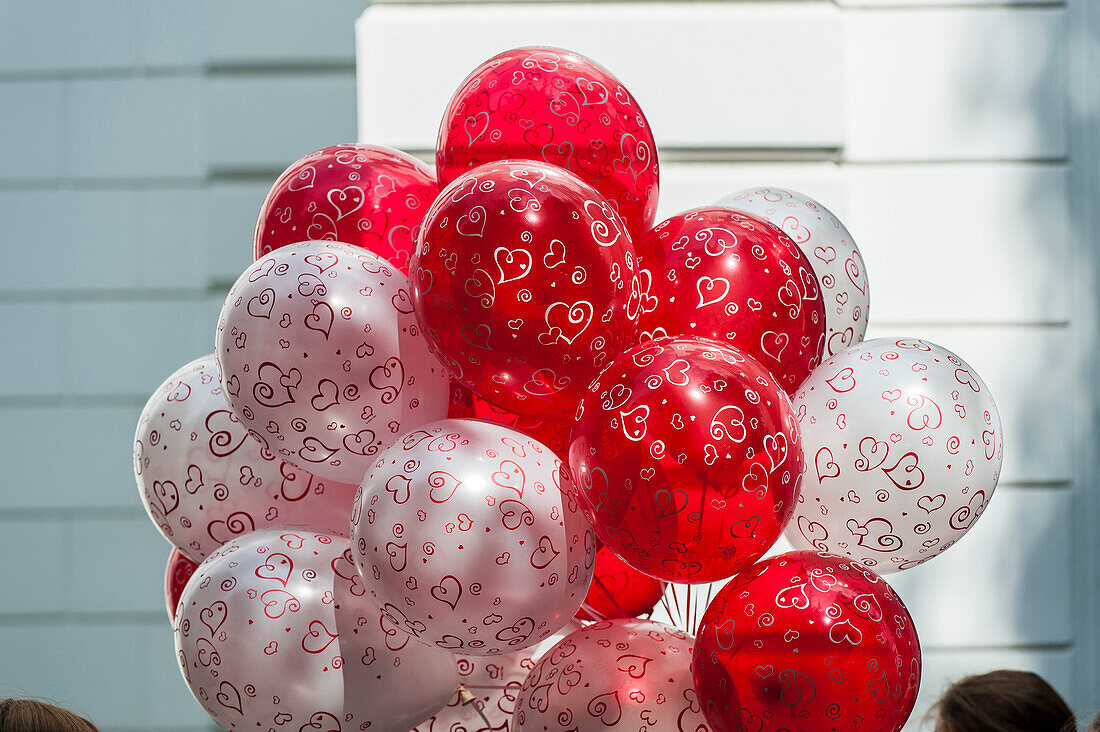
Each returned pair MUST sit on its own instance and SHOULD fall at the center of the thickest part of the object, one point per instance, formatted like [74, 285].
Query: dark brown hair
[30, 715]
[1003, 701]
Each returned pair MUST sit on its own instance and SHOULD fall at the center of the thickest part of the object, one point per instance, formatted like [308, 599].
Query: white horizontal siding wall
[958, 140]
[137, 140]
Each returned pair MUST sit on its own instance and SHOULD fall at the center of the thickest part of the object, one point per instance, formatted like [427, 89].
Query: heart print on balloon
[832, 252]
[204, 480]
[322, 360]
[275, 627]
[903, 451]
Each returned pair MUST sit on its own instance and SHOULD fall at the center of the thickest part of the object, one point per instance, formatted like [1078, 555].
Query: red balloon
[618, 590]
[557, 106]
[807, 642]
[525, 284]
[365, 195]
[467, 405]
[687, 456]
[176, 573]
[727, 275]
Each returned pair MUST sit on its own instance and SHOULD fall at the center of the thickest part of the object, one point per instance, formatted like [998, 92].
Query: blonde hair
[31, 715]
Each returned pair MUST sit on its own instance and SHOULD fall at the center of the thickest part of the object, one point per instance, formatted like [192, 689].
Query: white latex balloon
[204, 480]
[622, 674]
[274, 631]
[831, 250]
[495, 683]
[462, 533]
[322, 359]
[903, 450]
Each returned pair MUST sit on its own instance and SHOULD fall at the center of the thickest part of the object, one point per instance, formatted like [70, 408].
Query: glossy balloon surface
[524, 282]
[687, 457]
[620, 674]
[903, 452]
[274, 628]
[806, 642]
[203, 479]
[551, 432]
[368, 196]
[723, 274]
[832, 252]
[559, 107]
[322, 360]
[618, 590]
[463, 536]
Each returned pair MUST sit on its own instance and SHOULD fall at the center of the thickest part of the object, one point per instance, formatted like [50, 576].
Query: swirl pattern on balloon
[368, 196]
[336, 368]
[832, 253]
[557, 107]
[903, 452]
[624, 674]
[687, 457]
[805, 642]
[524, 281]
[463, 536]
[723, 274]
[274, 626]
[204, 480]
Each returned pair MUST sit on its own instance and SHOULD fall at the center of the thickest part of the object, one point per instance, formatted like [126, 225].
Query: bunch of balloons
[462, 428]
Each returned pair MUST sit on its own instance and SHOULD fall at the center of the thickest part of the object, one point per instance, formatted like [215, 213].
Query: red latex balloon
[557, 106]
[365, 195]
[807, 642]
[176, 573]
[525, 284]
[688, 458]
[726, 275]
[467, 405]
[618, 590]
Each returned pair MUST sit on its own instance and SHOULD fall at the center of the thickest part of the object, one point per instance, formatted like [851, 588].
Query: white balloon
[624, 674]
[204, 480]
[831, 250]
[463, 535]
[903, 451]
[322, 359]
[495, 683]
[275, 631]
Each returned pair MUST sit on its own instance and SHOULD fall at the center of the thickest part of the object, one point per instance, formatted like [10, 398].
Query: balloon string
[467, 698]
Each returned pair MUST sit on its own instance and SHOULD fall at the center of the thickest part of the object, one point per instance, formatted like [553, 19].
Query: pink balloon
[274, 628]
[495, 683]
[462, 534]
[204, 480]
[322, 359]
[621, 674]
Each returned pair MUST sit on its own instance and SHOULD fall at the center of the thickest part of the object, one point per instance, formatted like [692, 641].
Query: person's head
[29, 715]
[1002, 701]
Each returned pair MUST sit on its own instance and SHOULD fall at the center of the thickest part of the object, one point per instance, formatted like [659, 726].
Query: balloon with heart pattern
[322, 360]
[203, 479]
[805, 642]
[368, 196]
[903, 452]
[687, 457]
[559, 107]
[832, 252]
[463, 536]
[177, 571]
[467, 405]
[724, 274]
[274, 627]
[623, 674]
[495, 683]
[618, 590]
[524, 282]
